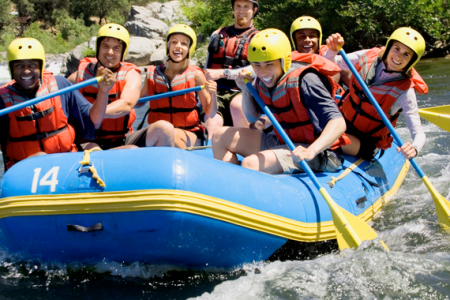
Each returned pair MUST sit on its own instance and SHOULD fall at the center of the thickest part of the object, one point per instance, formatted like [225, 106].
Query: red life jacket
[41, 127]
[361, 117]
[180, 111]
[111, 129]
[233, 49]
[287, 105]
[329, 67]
[323, 49]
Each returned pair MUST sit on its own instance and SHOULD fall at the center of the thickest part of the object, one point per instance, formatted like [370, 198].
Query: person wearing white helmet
[227, 52]
[175, 121]
[389, 72]
[51, 125]
[111, 48]
[300, 97]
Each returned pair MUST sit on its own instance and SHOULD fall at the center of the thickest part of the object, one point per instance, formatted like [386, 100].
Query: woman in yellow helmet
[309, 93]
[175, 121]
[393, 82]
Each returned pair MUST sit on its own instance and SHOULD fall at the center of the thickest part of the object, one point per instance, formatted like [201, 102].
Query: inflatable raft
[176, 207]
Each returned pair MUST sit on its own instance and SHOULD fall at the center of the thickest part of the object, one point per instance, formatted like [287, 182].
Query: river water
[417, 267]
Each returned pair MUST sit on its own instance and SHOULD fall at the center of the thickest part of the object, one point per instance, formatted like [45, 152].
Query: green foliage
[363, 23]
[24, 7]
[88, 52]
[116, 17]
[99, 8]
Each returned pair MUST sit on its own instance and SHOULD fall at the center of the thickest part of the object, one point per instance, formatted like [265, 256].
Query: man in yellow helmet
[51, 125]
[227, 51]
[304, 107]
[111, 47]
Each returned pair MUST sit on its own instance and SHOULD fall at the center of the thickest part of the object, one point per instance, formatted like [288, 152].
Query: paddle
[440, 116]
[171, 94]
[36, 100]
[350, 230]
[442, 205]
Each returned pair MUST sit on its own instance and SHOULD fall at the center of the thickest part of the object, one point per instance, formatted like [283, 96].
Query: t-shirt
[75, 106]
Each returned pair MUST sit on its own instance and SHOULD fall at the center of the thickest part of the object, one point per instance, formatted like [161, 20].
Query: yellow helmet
[411, 38]
[25, 48]
[187, 31]
[305, 22]
[270, 44]
[115, 31]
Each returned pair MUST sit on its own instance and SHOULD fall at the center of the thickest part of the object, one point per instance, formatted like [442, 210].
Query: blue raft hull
[171, 206]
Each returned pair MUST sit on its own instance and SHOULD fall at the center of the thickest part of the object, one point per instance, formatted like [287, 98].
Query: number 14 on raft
[52, 182]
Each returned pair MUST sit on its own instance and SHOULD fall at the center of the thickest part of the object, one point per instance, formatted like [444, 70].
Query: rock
[141, 50]
[158, 56]
[72, 60]
[150, 28]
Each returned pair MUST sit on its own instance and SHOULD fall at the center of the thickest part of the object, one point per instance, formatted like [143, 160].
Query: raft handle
[79, 228]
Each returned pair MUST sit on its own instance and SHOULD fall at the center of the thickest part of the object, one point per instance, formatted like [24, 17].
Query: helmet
[305, 22]
[411, 38]
[187, 31]
[270, 44]
[252, 1]
[25, 48]
[115, 31]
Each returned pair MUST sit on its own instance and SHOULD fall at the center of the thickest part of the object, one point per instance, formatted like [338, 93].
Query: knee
[218, 134]
[162, 127]
[251, 162]
[236, 103]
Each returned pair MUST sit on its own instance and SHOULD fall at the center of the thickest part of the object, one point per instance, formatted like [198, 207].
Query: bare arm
[208, 96]
[73, 77]
[97, 112]
[129, 96]
[248, 103]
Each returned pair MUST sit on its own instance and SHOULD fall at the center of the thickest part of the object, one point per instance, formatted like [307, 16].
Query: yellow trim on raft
[182, 201]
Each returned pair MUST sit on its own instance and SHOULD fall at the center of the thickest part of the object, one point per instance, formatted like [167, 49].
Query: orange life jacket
[323, 49]
[40, 127]
[287, 106]
[361, 117]
[111, 129]
[180, 111]
[330, 68]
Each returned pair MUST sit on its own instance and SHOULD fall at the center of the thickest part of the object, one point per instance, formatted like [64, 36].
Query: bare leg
[227, 141]
[353, 148]
[265, 161]
[237, 112]
[184, 139]
[160, 134]
[125, 147]
[212, 124]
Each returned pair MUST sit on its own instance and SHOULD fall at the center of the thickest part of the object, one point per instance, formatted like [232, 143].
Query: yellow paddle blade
[350, 230]
[442, 204]
[440, 116]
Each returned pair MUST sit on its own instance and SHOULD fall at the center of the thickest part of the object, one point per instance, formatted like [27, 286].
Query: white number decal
[44, 180]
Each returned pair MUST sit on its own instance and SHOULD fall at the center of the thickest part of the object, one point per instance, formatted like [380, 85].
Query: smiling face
[398, 57]
[269, 72]
[243, 12]
[110, 52]
[27, 73]
[307, 41]
[178, 47]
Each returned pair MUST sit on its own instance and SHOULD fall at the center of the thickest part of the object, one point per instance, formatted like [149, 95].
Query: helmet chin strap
[100, 63]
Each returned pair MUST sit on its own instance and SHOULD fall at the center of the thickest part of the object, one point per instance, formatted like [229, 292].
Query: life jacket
[323, 49]
[40, 127]
[111, 129]
[180, 111]
[230, 52]
[287, 106]
[329, 68]
[361, 117]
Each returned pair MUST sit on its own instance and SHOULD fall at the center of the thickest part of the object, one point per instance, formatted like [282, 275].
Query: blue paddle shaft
[48, 96]
[171, 94]
[378, 109]
[282, 133]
